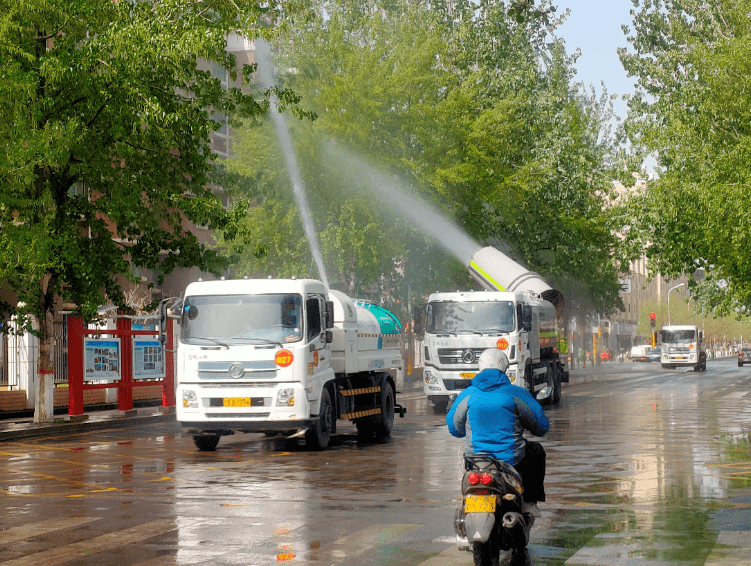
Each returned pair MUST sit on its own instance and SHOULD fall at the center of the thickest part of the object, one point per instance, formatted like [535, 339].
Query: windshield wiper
[256, 338]
[468, 331]
[212, 340]
[493, 331]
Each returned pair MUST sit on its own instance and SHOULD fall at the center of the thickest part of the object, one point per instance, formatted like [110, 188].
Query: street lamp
[679, 285]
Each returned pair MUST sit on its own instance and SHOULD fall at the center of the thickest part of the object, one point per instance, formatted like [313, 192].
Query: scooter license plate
[479, 504]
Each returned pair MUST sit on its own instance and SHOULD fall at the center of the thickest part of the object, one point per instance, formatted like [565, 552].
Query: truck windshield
[242, 319]
[475, 316]
[677, 336]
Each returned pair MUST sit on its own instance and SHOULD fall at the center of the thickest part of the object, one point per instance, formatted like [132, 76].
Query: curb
[89, 422]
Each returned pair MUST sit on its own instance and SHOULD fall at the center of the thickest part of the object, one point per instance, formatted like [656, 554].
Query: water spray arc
[266, 75]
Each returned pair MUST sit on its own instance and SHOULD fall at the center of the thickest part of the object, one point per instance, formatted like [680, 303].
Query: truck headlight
[190, 399]
[430, 378]
[285, 397]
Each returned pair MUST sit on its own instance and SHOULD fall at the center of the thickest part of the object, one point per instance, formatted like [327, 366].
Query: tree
[105, 127]
[692, 60]
[471, 107]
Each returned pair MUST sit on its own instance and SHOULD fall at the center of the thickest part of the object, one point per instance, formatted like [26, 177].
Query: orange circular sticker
[502, 344]
[283, 358]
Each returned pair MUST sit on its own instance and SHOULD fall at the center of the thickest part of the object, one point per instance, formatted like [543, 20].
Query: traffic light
[652, 319]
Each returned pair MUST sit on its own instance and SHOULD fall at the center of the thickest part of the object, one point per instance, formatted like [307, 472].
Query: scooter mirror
[544, 393]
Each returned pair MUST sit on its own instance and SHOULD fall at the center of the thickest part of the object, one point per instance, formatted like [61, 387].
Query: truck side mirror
[419, 314]
[329, 314]
[329, 337]
[701, 336]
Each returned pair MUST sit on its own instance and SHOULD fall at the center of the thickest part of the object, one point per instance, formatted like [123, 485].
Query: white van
[639, 353]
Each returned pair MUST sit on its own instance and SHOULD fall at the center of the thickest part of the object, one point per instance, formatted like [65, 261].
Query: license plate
[467, 375]
[236, 402]
[679, 357]
[479, 504]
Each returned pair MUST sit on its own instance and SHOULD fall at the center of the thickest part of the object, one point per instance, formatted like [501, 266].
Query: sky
[594, 26]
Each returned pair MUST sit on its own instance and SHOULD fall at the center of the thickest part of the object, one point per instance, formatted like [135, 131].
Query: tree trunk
[44, 406]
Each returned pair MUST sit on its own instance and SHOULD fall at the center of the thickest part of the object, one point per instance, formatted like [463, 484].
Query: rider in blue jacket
[492, 415]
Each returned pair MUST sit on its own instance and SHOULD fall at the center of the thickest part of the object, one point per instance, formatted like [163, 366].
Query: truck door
[318, 353]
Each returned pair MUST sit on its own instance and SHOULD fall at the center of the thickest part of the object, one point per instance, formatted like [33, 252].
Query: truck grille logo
[236, 370]
[468, 356]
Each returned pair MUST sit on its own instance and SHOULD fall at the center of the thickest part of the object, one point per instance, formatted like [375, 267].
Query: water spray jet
[266, 75]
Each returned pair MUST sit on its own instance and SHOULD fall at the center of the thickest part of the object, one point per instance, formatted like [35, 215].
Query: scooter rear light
[486, 479]
[473, 478]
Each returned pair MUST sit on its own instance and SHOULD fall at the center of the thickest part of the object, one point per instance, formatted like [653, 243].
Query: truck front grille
[237, 370]
[463, 356]
[456, 384]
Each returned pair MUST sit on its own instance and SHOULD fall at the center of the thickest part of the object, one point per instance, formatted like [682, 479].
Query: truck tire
[206, 442]
[385, 421]
[556, 385]
[440, 406]
[318, 434]
[529, 378]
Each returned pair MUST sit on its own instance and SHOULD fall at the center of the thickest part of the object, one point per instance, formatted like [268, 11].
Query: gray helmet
[493, 358]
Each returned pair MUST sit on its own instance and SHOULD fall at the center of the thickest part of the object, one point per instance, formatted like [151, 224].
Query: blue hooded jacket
[492, 414]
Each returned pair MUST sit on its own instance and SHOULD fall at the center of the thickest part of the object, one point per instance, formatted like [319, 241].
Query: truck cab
[458, 327]
[682, 346]
[285, 356]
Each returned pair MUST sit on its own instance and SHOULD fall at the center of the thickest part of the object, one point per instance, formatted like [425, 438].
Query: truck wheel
[440, 406]
[206, 442]
[557, 386]
[529, 378]
[385, 422]
[319, 433]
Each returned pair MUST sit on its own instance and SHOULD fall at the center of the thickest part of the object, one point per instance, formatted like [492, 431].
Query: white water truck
[517, 313]
[284, 356]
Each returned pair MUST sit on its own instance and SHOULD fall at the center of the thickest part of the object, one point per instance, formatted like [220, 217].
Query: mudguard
[479, 526]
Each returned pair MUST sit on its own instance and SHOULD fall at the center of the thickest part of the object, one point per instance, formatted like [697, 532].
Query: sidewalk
[25, 427]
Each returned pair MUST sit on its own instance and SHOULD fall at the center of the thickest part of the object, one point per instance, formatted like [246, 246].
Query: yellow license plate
[236, 402]
[479, 504]
[467, 375]
[679, 357]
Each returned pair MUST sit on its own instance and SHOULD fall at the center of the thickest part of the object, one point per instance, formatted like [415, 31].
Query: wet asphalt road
[645, 466]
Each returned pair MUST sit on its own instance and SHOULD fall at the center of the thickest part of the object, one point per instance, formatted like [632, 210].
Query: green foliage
[472, 110]
[104, 128]
[692, 60]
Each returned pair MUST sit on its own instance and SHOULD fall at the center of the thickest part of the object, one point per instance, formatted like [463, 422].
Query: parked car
[639, 353]
[744, 356]
[654, 355]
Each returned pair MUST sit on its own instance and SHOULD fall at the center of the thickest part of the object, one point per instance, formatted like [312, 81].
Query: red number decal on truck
[283, 358]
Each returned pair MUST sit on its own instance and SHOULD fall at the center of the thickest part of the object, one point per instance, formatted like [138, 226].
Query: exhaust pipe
[495, 271]
[515, 530]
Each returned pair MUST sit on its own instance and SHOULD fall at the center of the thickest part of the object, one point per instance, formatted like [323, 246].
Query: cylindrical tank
[495, 271]
[387, 321]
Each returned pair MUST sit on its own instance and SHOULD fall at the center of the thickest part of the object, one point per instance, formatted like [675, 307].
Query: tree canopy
[105, 130]
[105, 127]
[472, 107]
[692, 60]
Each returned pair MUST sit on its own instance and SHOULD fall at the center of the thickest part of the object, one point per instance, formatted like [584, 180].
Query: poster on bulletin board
[101, 359]
[148, 359]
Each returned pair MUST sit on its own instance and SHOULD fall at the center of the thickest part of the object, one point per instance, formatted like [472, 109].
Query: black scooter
[491, 518]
